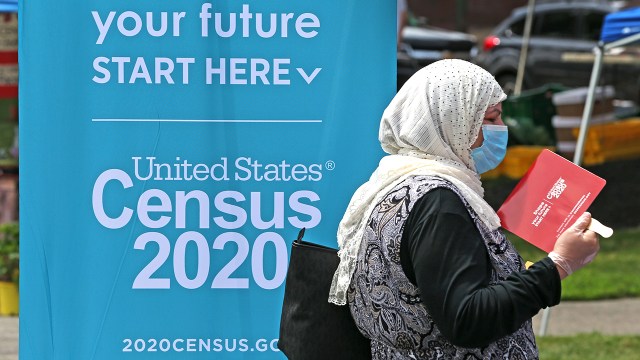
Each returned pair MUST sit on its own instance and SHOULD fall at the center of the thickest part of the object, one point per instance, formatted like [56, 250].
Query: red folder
[548, 199]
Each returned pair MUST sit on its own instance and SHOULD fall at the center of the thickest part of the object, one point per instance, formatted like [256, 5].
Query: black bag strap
[300, 235]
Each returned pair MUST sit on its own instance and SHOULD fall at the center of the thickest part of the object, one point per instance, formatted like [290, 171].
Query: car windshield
[564, 23]
[552, 24]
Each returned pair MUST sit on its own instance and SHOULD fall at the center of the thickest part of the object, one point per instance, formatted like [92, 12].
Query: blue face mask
[494, 147]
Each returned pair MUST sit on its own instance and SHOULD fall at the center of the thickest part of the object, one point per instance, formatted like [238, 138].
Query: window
[557, 24]
[517, 28]
[592, 26]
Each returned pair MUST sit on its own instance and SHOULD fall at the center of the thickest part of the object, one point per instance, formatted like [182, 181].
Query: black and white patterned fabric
[386, 306]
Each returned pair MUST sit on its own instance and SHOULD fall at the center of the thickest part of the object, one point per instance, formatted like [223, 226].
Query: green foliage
[9, 251]
[613, 273]
[523, 131]
[589, 347]
[529, 116]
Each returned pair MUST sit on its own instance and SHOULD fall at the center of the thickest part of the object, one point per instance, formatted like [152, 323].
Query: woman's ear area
[479, 140]
[493, 115]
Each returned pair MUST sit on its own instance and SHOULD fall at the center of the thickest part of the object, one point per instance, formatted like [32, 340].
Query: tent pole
[622, 42]
[526, 37]
[544, 323]
[588, 106]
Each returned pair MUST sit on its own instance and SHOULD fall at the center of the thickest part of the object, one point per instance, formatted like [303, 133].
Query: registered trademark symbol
[330, 165]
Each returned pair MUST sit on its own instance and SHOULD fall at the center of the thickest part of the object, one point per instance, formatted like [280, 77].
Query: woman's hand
[576, 247]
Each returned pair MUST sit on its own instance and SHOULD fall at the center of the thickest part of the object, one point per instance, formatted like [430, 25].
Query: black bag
[311, 327]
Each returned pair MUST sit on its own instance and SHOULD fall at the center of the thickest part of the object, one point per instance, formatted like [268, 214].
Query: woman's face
[493, 116]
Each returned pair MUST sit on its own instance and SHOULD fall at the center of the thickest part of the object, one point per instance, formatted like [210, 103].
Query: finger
[583, 222]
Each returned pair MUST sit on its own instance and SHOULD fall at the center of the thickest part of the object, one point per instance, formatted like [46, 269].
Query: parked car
[563, 36]
[423, 45]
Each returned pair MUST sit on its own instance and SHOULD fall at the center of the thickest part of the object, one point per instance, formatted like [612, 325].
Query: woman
[424, 267]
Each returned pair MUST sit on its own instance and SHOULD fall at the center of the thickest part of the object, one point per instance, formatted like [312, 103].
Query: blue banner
[171, 150]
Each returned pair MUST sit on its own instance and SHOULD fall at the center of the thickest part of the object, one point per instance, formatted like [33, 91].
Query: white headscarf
[428, 129]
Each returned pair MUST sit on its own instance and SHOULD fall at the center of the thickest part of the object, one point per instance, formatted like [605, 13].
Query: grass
[589, 347]
[613, 273]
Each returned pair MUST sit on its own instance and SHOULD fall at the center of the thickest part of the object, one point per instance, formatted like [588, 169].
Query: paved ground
[8, 338]
[614, 317]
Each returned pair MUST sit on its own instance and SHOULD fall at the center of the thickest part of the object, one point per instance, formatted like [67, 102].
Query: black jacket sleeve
[443, 253]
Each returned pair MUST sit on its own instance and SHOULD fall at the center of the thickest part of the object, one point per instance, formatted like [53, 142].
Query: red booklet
[548, 199]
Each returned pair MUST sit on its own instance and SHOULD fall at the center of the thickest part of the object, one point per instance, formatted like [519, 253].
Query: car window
[517, 28]
[592, 26]
[557, 24]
